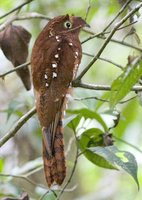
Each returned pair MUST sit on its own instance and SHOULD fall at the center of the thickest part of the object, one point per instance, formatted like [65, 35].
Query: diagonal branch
[15, 69]
[107, 41]
[106, 60]
[118, 14]
[17, 126]
[15, 9]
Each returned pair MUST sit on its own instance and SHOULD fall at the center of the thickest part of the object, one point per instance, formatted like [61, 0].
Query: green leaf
[68, 120]
[93, 138]
[123, 84]
[74, 122]
[116, 158]
[90, 114]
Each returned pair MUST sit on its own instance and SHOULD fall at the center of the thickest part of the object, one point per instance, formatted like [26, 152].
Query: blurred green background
[22, 154]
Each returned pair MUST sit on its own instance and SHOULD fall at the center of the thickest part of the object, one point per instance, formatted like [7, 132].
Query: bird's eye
[68, 24]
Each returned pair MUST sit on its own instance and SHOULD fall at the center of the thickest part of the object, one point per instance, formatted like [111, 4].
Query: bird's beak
[83, 22]
[79, 21]
[87, 25]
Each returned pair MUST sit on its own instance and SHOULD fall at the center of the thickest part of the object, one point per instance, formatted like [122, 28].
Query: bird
[55, 59]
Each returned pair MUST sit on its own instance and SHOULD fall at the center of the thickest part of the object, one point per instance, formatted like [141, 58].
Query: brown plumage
[55, 59]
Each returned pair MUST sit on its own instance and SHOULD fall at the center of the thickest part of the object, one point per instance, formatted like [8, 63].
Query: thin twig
[104, 100]
[7, 22]
[15, 9]
[129, 144]
[107, 41]
[106, 60]
[32, 15]
[88, 9]
[126, 44]
[15, 69]
[71, 175]
[73, 169]
[17, 126]
[101, 87]
[118, 14]
[44, 195]
[23, 177]
[102, 34]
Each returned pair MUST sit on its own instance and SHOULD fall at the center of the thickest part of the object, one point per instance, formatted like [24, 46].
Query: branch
[15, 17]
[71, 175]
[15, 69]
[103, 100]
[89, 86]
[126, 44]
[88, 9]
[106, 60]
[23, 177]
[32, 15]
[7, 22]
[107, 41]
[118, 14]
[15, 9]
[17, 126]
[129, 144]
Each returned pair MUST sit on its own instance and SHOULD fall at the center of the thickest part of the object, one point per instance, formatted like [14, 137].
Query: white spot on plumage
[45, 76]
[54, 75]
[76, 65]
[56, 55]
[50, 34]
[70, 44]
[57, 38]
[47, 84]
[59, 48]
[54, 65]
[76, 53]
[56, 100]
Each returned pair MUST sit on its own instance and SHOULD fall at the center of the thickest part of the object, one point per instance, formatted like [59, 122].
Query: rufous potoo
[55, 59]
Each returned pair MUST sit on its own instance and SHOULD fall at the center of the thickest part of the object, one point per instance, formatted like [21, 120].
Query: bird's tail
[54, 164]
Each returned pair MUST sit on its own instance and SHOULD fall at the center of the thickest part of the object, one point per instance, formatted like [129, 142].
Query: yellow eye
[67, 24]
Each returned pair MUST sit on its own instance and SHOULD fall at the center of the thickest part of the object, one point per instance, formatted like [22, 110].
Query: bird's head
[65, 23]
